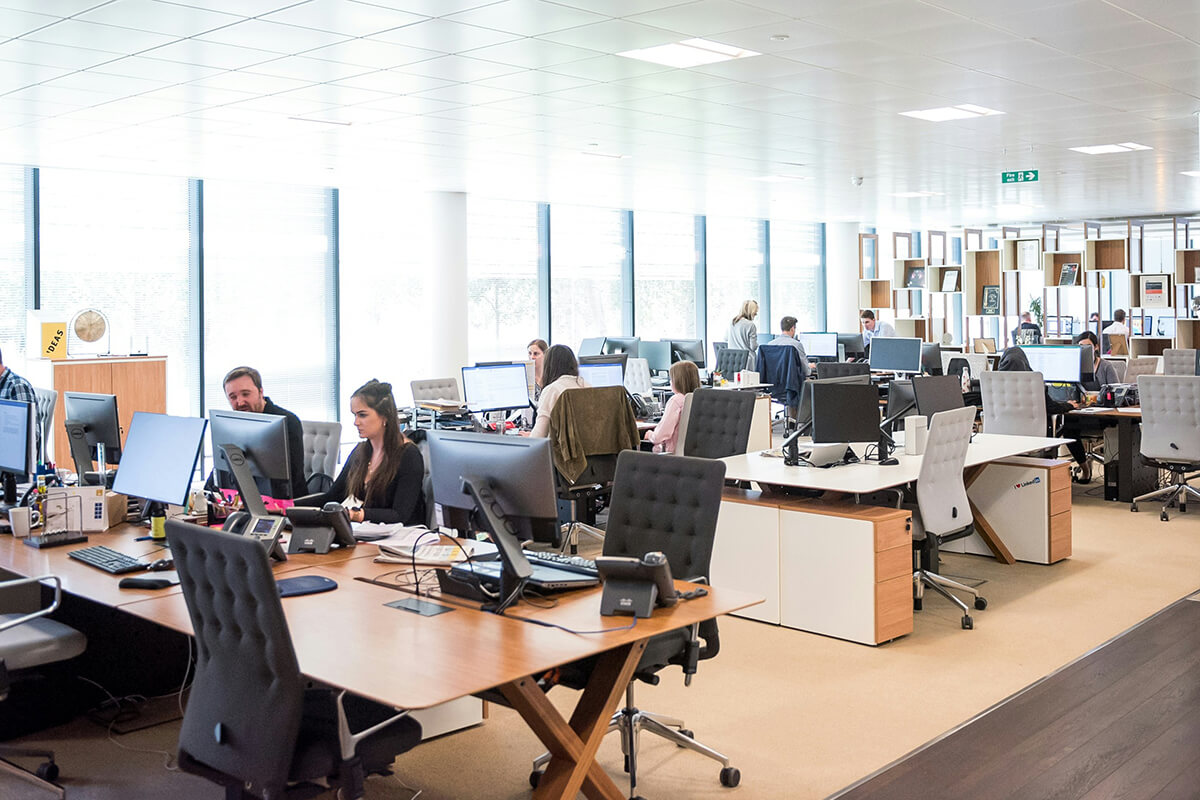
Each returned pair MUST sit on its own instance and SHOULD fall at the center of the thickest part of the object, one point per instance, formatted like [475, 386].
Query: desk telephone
[643, 408]
[635, 585]
[264, 529]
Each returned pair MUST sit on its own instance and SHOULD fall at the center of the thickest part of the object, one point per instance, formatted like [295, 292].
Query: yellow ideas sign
[54, 340]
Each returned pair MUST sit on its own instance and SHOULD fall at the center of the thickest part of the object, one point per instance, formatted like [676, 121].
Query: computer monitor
[161, 453]
[250, 454]
[1087, 362]
[657, 354]
[598, 375]
[94, 418]
[591, 346]
[852, 344]
[1057, 363]
[894, 354]
[931, 359]
[844, 413]
[804, 413]
[621, 344]
[17, 445]
[936, 393]
[495, 387]
[819, 345]
[616, 358]
[688, 350]
[519, 472]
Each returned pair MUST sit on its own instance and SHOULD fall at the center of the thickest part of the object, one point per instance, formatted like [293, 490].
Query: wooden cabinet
[140, 384]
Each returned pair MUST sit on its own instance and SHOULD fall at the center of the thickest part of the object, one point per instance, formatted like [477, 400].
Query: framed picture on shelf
[950, 282]
[1068, 275]
[915, 278]
[1135, 325]
[1027, 254]
[1154, 292]
[991, 300]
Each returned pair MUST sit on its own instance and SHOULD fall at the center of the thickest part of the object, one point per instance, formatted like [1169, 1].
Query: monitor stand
[81, 454]
[261, 525]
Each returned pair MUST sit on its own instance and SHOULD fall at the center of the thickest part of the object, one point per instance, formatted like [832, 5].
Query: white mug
[916, 431]
[21, 518]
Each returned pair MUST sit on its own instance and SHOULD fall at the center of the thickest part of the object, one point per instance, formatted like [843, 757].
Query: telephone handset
[643, 408]
[264, 529]
[635, 585]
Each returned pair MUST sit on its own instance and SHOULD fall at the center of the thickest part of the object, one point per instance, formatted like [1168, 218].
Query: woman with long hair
[743, 333]
[685, 379]
[560, 371]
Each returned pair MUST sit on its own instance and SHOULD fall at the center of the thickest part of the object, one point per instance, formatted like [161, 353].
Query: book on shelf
[991, 300]
[1154, 293]
[950, 281]
[1068, 275]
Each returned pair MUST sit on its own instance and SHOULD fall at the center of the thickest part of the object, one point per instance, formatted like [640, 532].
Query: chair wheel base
[47, 771]
[1133, 507]
[688, 733]
[731, 776]
[1163, 516]
[967, 622]
[980, 603]
[535, 778]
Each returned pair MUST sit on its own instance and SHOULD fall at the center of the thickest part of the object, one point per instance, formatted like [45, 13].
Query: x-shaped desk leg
[982, 526]
[574, 745]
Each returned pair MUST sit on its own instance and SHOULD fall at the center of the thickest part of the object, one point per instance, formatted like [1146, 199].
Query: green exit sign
[1022, 176]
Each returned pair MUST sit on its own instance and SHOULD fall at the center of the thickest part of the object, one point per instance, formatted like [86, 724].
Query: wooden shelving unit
[1138, 295]
[1021, 253]
[980, 268]
[874, 294]
[1106, 254]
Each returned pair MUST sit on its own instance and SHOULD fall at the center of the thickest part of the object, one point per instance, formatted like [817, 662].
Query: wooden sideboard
[140, 384]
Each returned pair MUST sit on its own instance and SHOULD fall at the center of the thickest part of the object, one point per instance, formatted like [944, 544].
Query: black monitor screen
[890, 354]
[688, 350]
[844, 412]
[852, 343]
[621, 344]
[98, 414]
[17, 437]
[819, 345]
[617, 358]
[901, 403]
[1087, 361]
[262, 437]
[804, 413]
[657, 355]
[937, 393]
[160, 457]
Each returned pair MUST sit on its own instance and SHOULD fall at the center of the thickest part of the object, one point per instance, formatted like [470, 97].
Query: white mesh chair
[321, 443]
[1142, 365]
[943, 512]
[1179, 361]
[1013, 403]
[1170, 435]
[637, 377]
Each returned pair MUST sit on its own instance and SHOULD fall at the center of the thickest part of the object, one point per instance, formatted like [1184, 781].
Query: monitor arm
[246, 487]
[515, 569]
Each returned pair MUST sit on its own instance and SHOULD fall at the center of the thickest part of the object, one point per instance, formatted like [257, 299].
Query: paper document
[433, 554]
[376, 531]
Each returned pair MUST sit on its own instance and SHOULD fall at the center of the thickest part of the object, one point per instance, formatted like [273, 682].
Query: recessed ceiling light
[1102, 149]
[689, 53]
[916, 194]
[947, 113]
[1191, 173]
[779, 37]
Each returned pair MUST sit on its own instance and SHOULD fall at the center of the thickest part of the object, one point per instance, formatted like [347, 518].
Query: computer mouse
[162, 565]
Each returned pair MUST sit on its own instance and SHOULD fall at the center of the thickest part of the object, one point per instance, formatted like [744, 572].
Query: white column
[448, 281]
[841, 277]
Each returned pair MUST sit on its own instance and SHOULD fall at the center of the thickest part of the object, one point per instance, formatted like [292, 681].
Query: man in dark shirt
[14, 387]
[243, 390]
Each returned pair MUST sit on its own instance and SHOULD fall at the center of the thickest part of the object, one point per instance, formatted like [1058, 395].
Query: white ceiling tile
[51, 55]
[198, 95]
[412, 105]
[273, 36]
[676, 81]
[619, 8]
[372, 53]
[468, 94]
[393, 82]
[76, 98]
[752, 69]
[59, 8]
[532, 53]
[708, 17]
[430, 8]
[539, 104]
[157, 69]
[334, 95]
[211, 54]
[251, 82]
[282, 104]
[532, 81]
[614, 36]
[445, 35]
[527, 17]
[799, 33]
[16, 23]
[458, 68]
[302, 68]
[18, 76]
[164, 18]
[608, 68]
[603, 93]
[339, 16]
[112, 84]
[242, 8]
[74, 33]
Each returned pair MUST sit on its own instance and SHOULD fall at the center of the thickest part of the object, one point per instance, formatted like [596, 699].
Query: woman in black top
[383, 475]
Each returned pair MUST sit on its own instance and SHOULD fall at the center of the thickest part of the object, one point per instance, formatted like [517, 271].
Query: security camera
[856, 180]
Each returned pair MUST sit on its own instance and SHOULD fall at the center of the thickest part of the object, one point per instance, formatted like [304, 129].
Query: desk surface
[869, 476]
[1108, 413]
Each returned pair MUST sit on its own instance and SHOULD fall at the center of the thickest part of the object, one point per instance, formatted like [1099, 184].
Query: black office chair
[668, 504]
[251, 724]
[731, 361]
[842, 369]
[719, 423]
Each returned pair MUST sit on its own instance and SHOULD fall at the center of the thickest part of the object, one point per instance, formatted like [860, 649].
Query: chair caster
[730, 776]
[685, 732]
[980, 603]
[1133, 507]
[1163, 516]
[47, 771]
[916, 604]
[535, 778]
[967, 622]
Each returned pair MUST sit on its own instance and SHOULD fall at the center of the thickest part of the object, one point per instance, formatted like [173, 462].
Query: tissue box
[100, 508]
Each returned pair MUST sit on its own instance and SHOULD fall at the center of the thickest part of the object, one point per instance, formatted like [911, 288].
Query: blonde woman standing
[743, 333]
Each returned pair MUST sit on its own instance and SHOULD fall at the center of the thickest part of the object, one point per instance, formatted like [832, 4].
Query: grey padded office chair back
[842, 369]
[978, 362]
[47, 399]
[1013, 403]
[1171, 434]
[435, 389]
[718, 423]
[941, 494]
[1180, 361]
[637, 377]
[717, 348]
[1137, 367]
[731, 361]
[321, 443]
[1118, 365]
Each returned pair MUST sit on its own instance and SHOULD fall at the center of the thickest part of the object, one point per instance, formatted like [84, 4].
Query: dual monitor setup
[660, 355]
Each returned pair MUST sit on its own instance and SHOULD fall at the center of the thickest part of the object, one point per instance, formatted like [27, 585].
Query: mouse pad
[305, 584]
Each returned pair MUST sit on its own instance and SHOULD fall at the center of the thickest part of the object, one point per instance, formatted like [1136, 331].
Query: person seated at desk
[1027, 324]
[1015, 360]
[14, 387]
[537, 352]
[244, 390]
[1104, 371]
[560, 371]
[874, 327]
[685, 379]
[1118, 325]
[788, 326]
[381, 480]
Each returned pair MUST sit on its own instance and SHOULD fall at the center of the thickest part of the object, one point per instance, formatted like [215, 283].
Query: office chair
[1119, 365]
[717, 348]
[1170, 435]
[588, 428]
[668, 504]
[943, 512]
[684, 417]
[46, 400]
[321, 443]
[1118, 344]
[28, 641]
[1013, 403]
[1136, 367]
[842, 369]
[637, 377]
[718, 423]
[1180, 361]
[731, 361]
[251, 724]
[782, 367]
[433, 389]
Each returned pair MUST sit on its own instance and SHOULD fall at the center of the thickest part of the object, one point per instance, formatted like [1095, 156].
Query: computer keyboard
[56, 539]
[109, 560]
[584, 566]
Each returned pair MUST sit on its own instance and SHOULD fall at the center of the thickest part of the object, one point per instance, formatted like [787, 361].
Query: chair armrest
[50, 609]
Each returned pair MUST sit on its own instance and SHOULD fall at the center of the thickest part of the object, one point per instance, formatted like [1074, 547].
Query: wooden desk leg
[573, 746]
[983, 527]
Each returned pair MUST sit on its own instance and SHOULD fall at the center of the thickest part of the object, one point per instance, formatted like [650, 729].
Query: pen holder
[916, 432]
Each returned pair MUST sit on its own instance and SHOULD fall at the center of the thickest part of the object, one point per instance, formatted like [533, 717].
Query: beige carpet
[802, 716]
